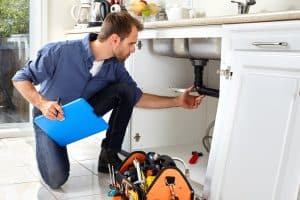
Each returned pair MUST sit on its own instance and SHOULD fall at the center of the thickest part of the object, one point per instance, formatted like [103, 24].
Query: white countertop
[95, 29]
[235, 19]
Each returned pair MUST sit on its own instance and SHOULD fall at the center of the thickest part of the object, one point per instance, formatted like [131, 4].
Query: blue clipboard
[80, 122]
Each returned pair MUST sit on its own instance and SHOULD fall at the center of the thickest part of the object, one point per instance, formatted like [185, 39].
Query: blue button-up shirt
[62, 70]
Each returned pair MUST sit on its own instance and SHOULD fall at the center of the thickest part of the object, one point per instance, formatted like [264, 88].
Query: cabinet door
[265, 86]
[289, 187]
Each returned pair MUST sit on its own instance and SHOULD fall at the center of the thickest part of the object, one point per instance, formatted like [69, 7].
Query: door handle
[270, 44]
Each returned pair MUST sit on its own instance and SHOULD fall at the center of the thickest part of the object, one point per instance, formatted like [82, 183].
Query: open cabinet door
[261, 129]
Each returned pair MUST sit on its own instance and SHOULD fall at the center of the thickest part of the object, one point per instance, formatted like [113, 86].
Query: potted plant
[14, 17]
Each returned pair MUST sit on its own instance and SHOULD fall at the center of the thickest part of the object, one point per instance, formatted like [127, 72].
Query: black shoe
[106, 157]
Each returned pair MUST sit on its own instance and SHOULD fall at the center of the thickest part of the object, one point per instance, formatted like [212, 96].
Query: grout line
[48, 189]
[85, 166]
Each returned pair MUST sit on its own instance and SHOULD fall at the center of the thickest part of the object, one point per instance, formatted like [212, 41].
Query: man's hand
[189, 101]
[51, 110]
[185, 100]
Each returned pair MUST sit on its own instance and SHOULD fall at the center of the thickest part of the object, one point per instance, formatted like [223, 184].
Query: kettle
[99, 10]
[81, 13]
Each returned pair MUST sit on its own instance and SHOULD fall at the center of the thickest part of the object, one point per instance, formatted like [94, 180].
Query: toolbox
[149, 176]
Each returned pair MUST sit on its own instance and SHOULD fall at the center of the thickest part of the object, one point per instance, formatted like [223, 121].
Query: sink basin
[196, 48]
[205, 48]
[163, 47]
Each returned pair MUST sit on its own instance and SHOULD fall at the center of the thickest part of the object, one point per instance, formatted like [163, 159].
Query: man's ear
[114, 39]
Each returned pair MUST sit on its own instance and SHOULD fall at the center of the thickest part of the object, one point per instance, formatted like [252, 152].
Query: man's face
[126, 46]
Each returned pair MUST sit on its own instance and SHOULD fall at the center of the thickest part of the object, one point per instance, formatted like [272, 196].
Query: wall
[60, 20]
[225, 7]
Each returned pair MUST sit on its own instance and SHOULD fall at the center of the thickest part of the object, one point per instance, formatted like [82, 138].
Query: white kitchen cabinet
[262, 149]
[255, 148]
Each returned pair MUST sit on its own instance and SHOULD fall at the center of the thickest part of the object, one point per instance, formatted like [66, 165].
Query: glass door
[14, 53]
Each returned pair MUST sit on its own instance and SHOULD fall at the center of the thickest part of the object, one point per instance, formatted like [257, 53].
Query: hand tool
[136, 164]
[195, 156]
[114, 191]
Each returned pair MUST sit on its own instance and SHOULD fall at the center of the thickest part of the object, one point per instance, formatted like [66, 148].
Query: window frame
[38, 34]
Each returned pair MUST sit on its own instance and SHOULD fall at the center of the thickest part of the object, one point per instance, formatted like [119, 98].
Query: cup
[177, 13]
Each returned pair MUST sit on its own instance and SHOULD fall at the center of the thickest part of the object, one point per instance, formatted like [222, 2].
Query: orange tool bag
[149, 176]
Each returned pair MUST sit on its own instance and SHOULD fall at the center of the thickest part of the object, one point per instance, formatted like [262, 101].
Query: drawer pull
[271, 44]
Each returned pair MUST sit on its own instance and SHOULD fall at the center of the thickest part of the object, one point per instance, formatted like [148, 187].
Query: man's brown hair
[119, 23]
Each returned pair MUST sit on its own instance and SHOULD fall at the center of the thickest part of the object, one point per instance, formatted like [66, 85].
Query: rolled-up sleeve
[41, 69]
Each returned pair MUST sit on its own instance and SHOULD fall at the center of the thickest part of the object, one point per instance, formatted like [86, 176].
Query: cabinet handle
[271, 44]
[137, 137]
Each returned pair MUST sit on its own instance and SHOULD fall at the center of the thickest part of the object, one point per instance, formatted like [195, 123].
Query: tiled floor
[20, 179]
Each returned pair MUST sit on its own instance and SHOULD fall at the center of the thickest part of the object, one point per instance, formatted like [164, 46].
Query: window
[14, 52]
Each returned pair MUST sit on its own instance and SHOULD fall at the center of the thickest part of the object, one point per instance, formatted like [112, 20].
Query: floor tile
[18, 151]
[32, 191]
[84, 150]
[20, 178]
[97, 138]
[77, 169]
[80, 186]
[14, 174]
[93, 197]
[91, 165]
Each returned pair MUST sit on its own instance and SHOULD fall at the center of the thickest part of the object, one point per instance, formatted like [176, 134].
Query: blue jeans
[52, 159]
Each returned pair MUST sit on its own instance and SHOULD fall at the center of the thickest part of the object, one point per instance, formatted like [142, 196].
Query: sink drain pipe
[199, 65]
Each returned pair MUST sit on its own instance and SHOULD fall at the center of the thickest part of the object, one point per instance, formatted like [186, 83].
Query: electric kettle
[99, 10]
[81, 13]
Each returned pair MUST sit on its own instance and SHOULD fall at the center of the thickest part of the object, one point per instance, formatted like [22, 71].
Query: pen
[58, 102]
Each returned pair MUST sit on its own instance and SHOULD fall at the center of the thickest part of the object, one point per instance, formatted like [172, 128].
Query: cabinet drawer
[266, 41]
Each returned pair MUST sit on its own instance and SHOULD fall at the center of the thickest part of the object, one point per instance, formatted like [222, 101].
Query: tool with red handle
[195, 156]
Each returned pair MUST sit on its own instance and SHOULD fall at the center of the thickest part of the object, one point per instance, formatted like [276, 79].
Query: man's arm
[48, 108]
[185, 101]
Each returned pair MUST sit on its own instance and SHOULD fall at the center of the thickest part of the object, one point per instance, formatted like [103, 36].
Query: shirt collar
[86, 45]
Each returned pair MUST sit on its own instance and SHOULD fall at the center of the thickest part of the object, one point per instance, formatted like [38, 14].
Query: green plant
[14, 17]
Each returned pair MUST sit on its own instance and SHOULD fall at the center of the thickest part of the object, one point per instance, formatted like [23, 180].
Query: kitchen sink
[198, 50]
[193, 48]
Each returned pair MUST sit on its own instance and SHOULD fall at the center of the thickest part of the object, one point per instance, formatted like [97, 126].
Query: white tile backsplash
[225, 7]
